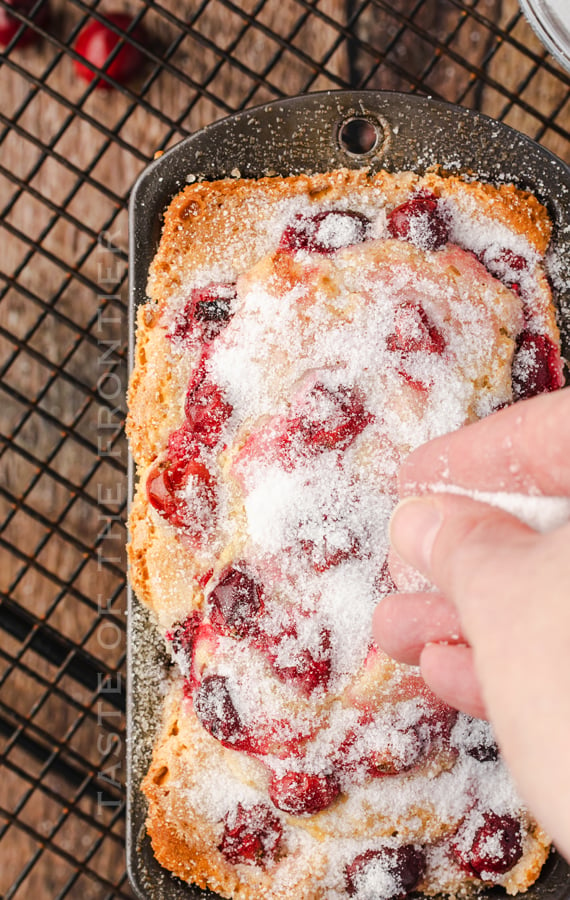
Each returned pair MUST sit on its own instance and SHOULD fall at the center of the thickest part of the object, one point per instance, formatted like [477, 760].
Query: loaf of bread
[302, 336]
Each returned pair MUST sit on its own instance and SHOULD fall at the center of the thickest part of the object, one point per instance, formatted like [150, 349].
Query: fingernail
[413, 529]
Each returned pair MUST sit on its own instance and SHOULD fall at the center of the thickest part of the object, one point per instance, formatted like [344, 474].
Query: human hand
[494, 639]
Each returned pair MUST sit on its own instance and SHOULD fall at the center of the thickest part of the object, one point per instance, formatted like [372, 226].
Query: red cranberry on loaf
[495, 848]
[389, 873]
[236, 602]
[325, 232]
[536, 366]
[420, 221]
[252, 835]
[206, 312]
[301, 793]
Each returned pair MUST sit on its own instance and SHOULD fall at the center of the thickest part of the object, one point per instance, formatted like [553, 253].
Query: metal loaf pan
[313, 133]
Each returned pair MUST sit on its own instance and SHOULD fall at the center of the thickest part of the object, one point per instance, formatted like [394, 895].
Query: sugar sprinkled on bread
[302, 336]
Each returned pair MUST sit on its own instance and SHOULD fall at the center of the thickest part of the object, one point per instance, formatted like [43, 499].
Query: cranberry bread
[302, 336]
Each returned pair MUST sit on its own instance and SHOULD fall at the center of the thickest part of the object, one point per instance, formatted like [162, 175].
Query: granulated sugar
[540, 512]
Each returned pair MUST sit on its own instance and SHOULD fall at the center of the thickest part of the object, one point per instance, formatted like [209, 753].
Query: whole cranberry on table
[95, 43]
[11, 24]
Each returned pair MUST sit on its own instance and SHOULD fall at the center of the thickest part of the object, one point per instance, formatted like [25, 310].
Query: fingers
[407, 579]
[521, 448]
[468, 550]
[404, 623]
[450, 672]
[424, 630]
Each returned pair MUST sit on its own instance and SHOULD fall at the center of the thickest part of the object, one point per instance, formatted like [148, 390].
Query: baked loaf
[301, 337]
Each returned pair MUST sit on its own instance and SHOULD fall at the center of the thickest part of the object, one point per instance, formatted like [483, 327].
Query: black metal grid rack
[69, 153]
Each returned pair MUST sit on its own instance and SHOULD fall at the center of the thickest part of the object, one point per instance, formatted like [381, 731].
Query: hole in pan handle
[363, 136]
[359, 136]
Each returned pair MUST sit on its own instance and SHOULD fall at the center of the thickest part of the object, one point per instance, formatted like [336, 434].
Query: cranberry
[215, 709]
[496, 848]
[536, 366]
[252, 835]
[181, 448]
[321, 420]
[389, 763]
[208, 310]
[308, 672]
[420, 221]
[331, 420]
[399, 745]
[512, 260]
[476, 738]
[413, 331]
[204, 578]
[505, 265]
[214, 304]
[10, 24]
[356, 753]
[299, 793]
[162, 490]
[206, 411]
[271, 443]
[159, 495]
[181, 472]
[308, 669]
[434, 727]
[96, 42]
[390, 873]
[423, 387]
[167, 491]
[235, 603]
[183, 634]
[325, 232]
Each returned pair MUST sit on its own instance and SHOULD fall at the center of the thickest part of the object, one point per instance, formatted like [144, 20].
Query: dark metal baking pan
[312, 133]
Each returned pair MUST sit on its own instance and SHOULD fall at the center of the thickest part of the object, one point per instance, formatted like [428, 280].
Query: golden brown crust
[157, 383]
[518, 210]
[225, 214]
[151, 552]
[527, 870]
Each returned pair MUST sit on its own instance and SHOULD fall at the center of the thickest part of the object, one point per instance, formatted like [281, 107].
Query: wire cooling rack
[69, 153]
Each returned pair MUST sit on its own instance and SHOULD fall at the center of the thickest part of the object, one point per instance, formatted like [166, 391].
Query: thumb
[470, 551]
